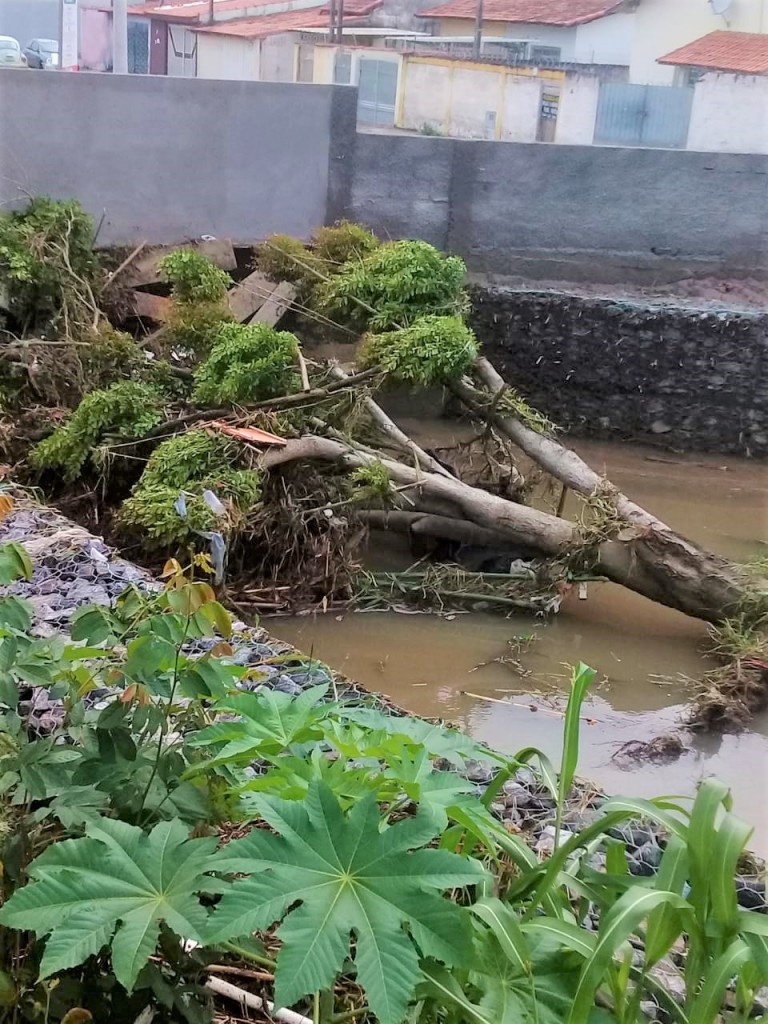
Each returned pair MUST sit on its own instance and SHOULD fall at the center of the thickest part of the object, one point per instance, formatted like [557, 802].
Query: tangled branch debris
[214, 427]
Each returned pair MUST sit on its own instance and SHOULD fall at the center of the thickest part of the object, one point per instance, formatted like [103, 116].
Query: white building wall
[606, 41]
[546, 35]
[425, 96]
[730, 114]
[227, 57]
[278, 58]
[663, 25]
[521, 110]
[475, 99]
[469, 102]
[578, 110]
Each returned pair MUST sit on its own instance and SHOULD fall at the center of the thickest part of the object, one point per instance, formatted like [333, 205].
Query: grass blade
[617, 925]
[505, 926]
[707, 1004]
[583, 675]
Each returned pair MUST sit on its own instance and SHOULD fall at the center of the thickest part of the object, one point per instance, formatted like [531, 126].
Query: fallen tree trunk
[651, 560]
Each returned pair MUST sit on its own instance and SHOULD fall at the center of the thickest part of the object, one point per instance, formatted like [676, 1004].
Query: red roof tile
[287, 21]
[740, 52]
[198, 10]
[532, 12]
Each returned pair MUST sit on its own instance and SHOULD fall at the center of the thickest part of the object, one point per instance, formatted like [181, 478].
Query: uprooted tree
[210, 427]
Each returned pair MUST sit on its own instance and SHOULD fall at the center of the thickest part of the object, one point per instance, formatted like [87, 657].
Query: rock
[633, 835]
[646, 860]
[478, 771]
[750, 893]
[660, 427]
[516, 794]
[285, 684]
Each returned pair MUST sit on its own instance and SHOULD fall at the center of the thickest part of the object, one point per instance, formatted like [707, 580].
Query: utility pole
[478, 30]
[211, 18]
[120, 37]
[339, 19]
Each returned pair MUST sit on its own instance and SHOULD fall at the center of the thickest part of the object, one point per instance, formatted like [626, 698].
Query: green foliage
[342, 243]
[512, 401]
[369, 859]
[194, 326]
[114, 888]
[193, 462]
[46, 258]
[395, 285]
[283, 258]
[109, 356]
[372, 483]
[199, 303]
[248, 362]
[327, 874]
[193, 455]
[433, 350]
[194, 278]
[126, 409]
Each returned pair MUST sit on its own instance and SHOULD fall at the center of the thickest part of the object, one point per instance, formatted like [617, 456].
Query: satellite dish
[719, 6]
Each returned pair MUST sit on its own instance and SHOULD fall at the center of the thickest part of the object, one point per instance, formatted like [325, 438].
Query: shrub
[394, 285]
[111, 354]
[126, 409]
[433, 350]
[192, 462]
[193, 455]
[343, 243]
[199, 299]
[152, 506]
[247, 363]
[193, 277]
[283, 258]
[47, 261]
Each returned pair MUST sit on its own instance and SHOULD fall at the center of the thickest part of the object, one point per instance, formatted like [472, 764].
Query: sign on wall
[69, 35]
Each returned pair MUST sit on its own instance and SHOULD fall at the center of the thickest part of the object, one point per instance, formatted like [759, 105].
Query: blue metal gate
[643, 115]
[377, 91]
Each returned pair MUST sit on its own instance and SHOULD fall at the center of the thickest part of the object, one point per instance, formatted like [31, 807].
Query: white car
[10, 53]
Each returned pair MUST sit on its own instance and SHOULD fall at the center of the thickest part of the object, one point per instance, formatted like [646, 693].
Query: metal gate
[138, 47]
[377, 91]
[643, 115]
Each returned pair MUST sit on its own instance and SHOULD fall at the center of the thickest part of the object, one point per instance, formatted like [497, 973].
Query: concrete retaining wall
[167, 159]
[684, 378]
[567, 212]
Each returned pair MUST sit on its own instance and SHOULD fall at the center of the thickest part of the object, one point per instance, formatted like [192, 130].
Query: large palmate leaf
[269, 722]
[114, 886]
[328, 875]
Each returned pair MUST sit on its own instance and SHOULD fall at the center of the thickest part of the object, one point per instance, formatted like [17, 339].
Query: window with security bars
[545, 54]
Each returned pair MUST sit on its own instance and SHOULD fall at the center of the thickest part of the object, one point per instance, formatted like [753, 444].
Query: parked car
[42, 53]
[10, 53]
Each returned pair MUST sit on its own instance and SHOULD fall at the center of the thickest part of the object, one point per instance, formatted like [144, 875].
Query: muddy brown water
[447, 667]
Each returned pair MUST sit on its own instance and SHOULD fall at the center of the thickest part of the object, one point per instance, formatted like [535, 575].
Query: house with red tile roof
[729, 71]
[741, 53]
[544, 31]
[232, 39]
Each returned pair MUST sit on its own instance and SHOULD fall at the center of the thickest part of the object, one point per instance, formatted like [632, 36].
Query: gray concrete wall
[167, 159]
[567, 212]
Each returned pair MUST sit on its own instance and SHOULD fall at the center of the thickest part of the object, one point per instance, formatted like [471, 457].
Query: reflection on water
[446, 667]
